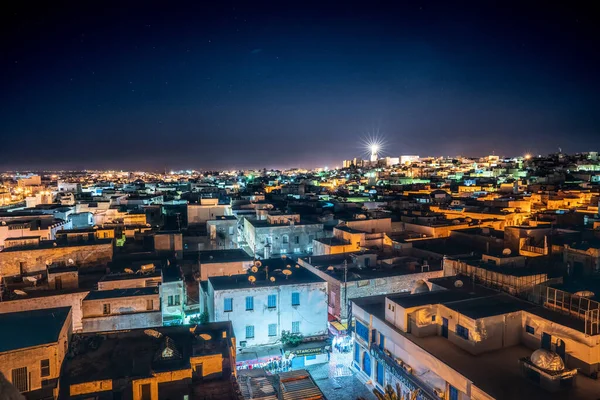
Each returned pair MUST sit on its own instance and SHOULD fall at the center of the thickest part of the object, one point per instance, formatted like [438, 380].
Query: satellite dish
[283, 256]
[251, 279]
[288, 266]
[153, 333]
[205, 336]
[257, 263]
[330, 268]
[20, 292]
[95, 227]
[3, 222]
[54, 244]
[458, 283]
[128, 271]
[506, 252]
[272, 279]
[254, 269]
[48, 262]
[287, 273]
[297, 265]
[70, 261]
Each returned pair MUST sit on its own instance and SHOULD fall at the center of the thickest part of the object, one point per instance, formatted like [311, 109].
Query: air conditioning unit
[439, 393]
[243, 344]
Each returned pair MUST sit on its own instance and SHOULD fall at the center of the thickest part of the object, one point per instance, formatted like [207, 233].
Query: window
[272, 301]
[530, 329]
[381, 341]
[106, 309]
[149, 304]
[170, 301]
[433, 318]
[20, 379]
[249, 303]
[309, 358]
[295, 299]
[285, 239]
[45, 368]
[296, 327]
[380, 373]
[58, 283]
[177, 300]
[228, 306]
[272, 329]
[462, 332]
[297, 239]
[356, 353]
[249, 331]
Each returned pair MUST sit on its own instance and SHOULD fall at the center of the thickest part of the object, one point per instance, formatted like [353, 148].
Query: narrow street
[337, 380]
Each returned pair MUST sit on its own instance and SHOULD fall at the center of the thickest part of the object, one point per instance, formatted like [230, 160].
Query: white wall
[311, 313]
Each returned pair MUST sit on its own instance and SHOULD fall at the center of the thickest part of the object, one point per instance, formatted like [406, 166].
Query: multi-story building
[281, 234]
[278, 295]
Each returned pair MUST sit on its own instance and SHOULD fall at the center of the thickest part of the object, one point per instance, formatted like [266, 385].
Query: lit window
[296, 327]
[249, 331]
[272, 301]
[295, 299]
[228, 304]
[249, 303]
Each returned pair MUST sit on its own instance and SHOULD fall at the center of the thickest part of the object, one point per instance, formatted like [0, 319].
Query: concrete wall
[120, 305]
[123, 321]
[172, 289]
[34, 260]
[223, 269]
[130, 283]
[170, 243]
[311, 312]
[371, 225]
[199, 214]
[258, 238]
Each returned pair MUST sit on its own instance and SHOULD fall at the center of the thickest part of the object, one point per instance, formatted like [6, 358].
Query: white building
[279, 296]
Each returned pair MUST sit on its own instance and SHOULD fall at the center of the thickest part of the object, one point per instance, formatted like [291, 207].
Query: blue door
[367, 364]
[445, 327]
[380, 373]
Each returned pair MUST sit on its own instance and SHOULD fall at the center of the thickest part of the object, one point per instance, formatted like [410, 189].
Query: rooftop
[31, 328]
[221, 256]
[506, 381]
[115, 293]
[137, 354]
[276, 266]
[48, 244]
[482, 307]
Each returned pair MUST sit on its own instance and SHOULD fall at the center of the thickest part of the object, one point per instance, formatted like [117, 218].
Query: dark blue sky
[253, 84]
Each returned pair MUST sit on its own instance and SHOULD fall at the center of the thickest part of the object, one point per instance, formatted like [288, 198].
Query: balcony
[408, 380]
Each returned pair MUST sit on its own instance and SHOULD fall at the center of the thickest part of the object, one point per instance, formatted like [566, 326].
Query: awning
[339, 326]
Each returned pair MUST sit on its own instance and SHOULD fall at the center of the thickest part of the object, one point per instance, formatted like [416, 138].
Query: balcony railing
[408, 380]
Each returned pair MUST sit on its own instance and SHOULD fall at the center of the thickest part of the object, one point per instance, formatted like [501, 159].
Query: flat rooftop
[49, 244]
[31, 328]
[223, 256]
[299, 275]
[496, 372]
[488, 306]
[115, 293]
[136, 354]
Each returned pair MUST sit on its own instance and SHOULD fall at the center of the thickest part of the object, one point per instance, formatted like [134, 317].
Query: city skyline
[237, 86]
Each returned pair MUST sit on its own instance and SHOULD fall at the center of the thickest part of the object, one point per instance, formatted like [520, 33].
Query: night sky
[230, 85]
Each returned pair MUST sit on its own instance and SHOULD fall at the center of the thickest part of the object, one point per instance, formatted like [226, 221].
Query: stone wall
[122, 322]
[30, 261]
[72, 300]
